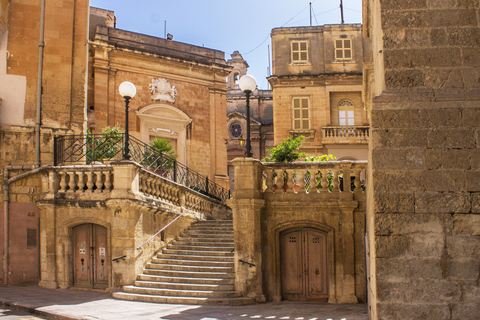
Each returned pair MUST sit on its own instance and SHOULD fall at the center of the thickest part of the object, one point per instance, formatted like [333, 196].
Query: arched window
[346, 113]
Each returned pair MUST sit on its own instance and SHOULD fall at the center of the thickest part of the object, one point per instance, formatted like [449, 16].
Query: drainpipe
[41, 45]
[6, 220]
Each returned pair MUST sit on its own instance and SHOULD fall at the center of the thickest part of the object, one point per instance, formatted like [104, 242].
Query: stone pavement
[67, 304]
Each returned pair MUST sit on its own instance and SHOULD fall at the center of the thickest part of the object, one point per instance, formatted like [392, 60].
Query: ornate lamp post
[247, 84]
[127, 91]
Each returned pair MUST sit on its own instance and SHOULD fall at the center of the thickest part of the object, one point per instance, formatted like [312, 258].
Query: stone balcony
[345, 134]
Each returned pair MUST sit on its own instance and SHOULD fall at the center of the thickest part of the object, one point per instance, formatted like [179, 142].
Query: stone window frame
[346, 105]
[341, 51]
[299, 51]
[230, 130]
[301, 116]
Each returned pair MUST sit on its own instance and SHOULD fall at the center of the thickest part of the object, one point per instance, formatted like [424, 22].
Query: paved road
[61, 304]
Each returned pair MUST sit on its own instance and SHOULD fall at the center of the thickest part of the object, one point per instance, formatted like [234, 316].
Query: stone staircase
[198, 268]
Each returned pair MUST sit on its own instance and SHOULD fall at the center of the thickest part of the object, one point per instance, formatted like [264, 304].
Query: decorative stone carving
[157, 130]
[162, 90]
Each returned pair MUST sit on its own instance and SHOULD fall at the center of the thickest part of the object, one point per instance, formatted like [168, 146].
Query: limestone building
[317, 89]
[68, 84]
[261, 116]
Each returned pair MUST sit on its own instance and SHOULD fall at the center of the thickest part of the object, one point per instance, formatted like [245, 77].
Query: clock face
[236, 130]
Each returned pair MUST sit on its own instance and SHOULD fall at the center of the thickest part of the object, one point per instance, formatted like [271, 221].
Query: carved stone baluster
[336, 182]
[63, 182]
[358, 183]
[149, 186]
[99, 181]
[108, 181]
[90, 183]
[156, 187]
[289, 182]
[81, 181]
[324, 180]
[71, 181]
[301, 181]
[268, 179]
[142, 184]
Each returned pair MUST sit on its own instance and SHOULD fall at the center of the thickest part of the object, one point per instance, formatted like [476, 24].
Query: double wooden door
[304, 264]
[90, 256]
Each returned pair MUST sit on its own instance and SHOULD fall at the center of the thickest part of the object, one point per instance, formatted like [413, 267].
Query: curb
[34, 311]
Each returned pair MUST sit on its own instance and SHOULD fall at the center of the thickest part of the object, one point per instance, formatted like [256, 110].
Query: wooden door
[304, 265]
[90, 256]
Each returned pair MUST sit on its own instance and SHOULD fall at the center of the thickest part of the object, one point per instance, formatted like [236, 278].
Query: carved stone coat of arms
[162, 90]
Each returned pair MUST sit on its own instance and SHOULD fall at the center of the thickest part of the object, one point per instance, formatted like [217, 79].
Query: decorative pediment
[239, 115]
[162, 90]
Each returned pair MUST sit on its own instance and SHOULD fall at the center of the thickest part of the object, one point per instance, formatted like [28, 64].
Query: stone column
[48, 266]
[247, 211]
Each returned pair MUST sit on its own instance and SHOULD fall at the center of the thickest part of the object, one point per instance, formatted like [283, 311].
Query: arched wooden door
[90, 256]
[304, 264]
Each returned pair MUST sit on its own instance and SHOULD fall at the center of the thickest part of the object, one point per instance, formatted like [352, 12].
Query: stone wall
[425, 254]
[263, 210]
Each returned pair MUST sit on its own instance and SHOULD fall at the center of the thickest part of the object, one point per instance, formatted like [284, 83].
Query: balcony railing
[345, 134]
[103, 149]
[331, 179]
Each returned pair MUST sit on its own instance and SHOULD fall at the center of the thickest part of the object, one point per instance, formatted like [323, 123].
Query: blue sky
[227, 25]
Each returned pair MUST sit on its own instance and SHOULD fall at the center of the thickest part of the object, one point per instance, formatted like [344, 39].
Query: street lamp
[247, 84]
[127, 91]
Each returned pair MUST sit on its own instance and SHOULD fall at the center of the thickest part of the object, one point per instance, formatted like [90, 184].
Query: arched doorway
[90, 267]
[303, 254]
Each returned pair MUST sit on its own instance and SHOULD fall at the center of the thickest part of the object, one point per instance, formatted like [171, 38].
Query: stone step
[198, 252]
[209, 238]
[199, 248]
[190, 274]
[182, 293]
[228, 258]
[210, 229]
[194, 262]
[220, 232]
[203, 242]
[239, 301]
[179, 267]
[185, 286]
[170, 279]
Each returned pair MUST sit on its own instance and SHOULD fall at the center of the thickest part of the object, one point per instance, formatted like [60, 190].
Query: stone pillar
[126, 179]
[247, 222]
[48, 265]
[425, 149]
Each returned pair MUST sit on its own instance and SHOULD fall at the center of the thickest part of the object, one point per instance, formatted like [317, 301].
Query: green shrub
[286, 151]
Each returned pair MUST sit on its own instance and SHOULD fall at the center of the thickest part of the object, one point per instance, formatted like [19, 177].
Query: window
[343, 49]
[299, 51]
[236, 130]
[301, 114]
[346, 113]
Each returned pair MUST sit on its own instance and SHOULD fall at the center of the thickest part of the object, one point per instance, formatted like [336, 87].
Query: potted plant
[159, 157]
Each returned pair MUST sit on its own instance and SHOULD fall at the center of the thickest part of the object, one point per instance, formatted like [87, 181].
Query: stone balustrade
[82, 178]
[332, 179]
[100, 182]
[338, 134]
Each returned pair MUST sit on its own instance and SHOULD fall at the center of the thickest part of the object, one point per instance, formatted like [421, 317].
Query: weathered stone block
[462, 269]
[386, 224]
[466, 311]
[433, 159]
[419, 291]
[414, 58]
[451, 138]
[476, 203]
[394, 202]
[395, 311]
[463, 246]
[466, 224]
[441, 202]
[456, 159]
[404, 78]
[473, 180]
[391, 246]
[408, 269]
[393, 181]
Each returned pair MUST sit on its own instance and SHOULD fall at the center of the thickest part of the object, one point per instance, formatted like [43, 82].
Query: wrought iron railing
[105, 148]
